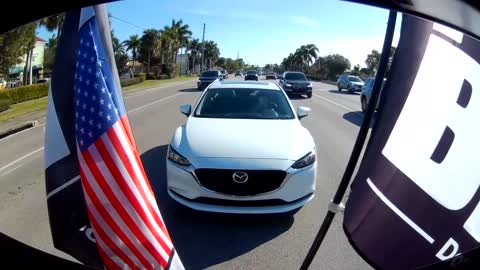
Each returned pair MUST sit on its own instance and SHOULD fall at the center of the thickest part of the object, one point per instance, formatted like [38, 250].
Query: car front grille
[299, 86]
[259, 181]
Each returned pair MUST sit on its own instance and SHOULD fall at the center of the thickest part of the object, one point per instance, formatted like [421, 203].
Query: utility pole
[238, 52]
[203, 48]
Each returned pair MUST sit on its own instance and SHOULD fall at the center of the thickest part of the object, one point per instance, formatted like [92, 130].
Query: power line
[127, 22]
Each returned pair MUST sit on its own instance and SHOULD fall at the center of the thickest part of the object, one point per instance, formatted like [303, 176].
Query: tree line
[161, 47]
[157, 48]
[306, 59]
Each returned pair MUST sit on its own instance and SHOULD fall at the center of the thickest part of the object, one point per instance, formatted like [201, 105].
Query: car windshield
[210, 74]
[295, 76]
[354, 79]
[251, 72]
[244, 104]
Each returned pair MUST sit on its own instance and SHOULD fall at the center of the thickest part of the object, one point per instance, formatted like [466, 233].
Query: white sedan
[242, 150]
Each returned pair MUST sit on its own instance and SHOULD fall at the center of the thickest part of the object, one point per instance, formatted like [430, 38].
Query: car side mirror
[186, 109]
[302, 112]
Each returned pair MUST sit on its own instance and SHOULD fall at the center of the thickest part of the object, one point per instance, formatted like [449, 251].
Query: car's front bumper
[300, 91]
[251, 78]
[203, 84]
[297, 189]
[355, 88]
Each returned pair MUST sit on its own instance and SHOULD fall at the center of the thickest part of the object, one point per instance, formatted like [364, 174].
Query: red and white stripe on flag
[129, 230]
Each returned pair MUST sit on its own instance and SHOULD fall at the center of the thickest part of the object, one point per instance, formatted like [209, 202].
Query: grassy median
[41, 103]
[24, 108]
[152, 83]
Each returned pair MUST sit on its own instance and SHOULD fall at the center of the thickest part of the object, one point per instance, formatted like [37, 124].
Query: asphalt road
[203, 240]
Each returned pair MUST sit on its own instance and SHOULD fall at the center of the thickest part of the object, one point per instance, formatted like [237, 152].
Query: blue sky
[263, 31]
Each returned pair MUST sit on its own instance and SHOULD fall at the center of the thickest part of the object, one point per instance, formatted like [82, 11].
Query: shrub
[131, 81]
[141, 75]
[4, 102]
[151, 76]
[170, 69]
[25, 93]
[163, 77]
[314, 77]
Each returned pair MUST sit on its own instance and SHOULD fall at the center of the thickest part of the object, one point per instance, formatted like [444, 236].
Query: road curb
[18, 128]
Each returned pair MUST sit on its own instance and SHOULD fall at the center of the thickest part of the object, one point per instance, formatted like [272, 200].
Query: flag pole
[336, 206]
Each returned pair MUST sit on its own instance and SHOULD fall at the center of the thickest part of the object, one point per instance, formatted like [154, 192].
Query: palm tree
[310, 54]
[166, 43]
[53, 23]
[186, 47]
[304, 57]
[195, 49]
[150, 42]
[211, 52]
[181, 35]
[288, 62]
[133, 44]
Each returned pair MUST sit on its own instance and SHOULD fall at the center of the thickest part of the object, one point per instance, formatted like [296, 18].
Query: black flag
[69, 223]
[415, 199]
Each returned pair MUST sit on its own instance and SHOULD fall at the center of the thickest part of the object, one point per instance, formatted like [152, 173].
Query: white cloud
[304, 21]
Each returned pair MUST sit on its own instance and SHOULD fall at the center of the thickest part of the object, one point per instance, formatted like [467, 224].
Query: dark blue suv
[207, 78]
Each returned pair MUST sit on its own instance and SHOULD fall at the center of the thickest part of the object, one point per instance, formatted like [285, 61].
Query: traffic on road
[194, 137]
[166, 148]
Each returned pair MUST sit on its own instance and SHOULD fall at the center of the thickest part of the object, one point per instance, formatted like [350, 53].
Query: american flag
[126, 221]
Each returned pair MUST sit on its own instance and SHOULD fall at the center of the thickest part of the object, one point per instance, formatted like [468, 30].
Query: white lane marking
[138, 93]
[62, 187]
[399, 212]
[41, 148]
[154, 102]
[12, 169]
[21, 158]
[334, 103]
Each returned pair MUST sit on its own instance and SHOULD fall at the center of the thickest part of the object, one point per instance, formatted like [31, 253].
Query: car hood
[242, 138]
[296, 82]
[358, 83]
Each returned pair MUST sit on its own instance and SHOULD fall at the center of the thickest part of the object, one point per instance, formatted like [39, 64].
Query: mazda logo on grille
[240, 177]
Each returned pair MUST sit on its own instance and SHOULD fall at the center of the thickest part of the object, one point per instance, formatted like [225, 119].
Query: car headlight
[305, 161]
[176, 157]
[309, 84]
[288, 85]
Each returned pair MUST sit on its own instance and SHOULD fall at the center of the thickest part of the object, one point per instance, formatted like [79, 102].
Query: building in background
[182, 62]
[16, 72]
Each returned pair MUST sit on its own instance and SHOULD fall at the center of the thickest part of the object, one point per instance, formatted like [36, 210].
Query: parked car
[251, 75]
[271, 75]
[367, 93]
[225, 74]
[238, 73]
[207, 78]
[296, 83]
[350, 82]
[242, 150]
